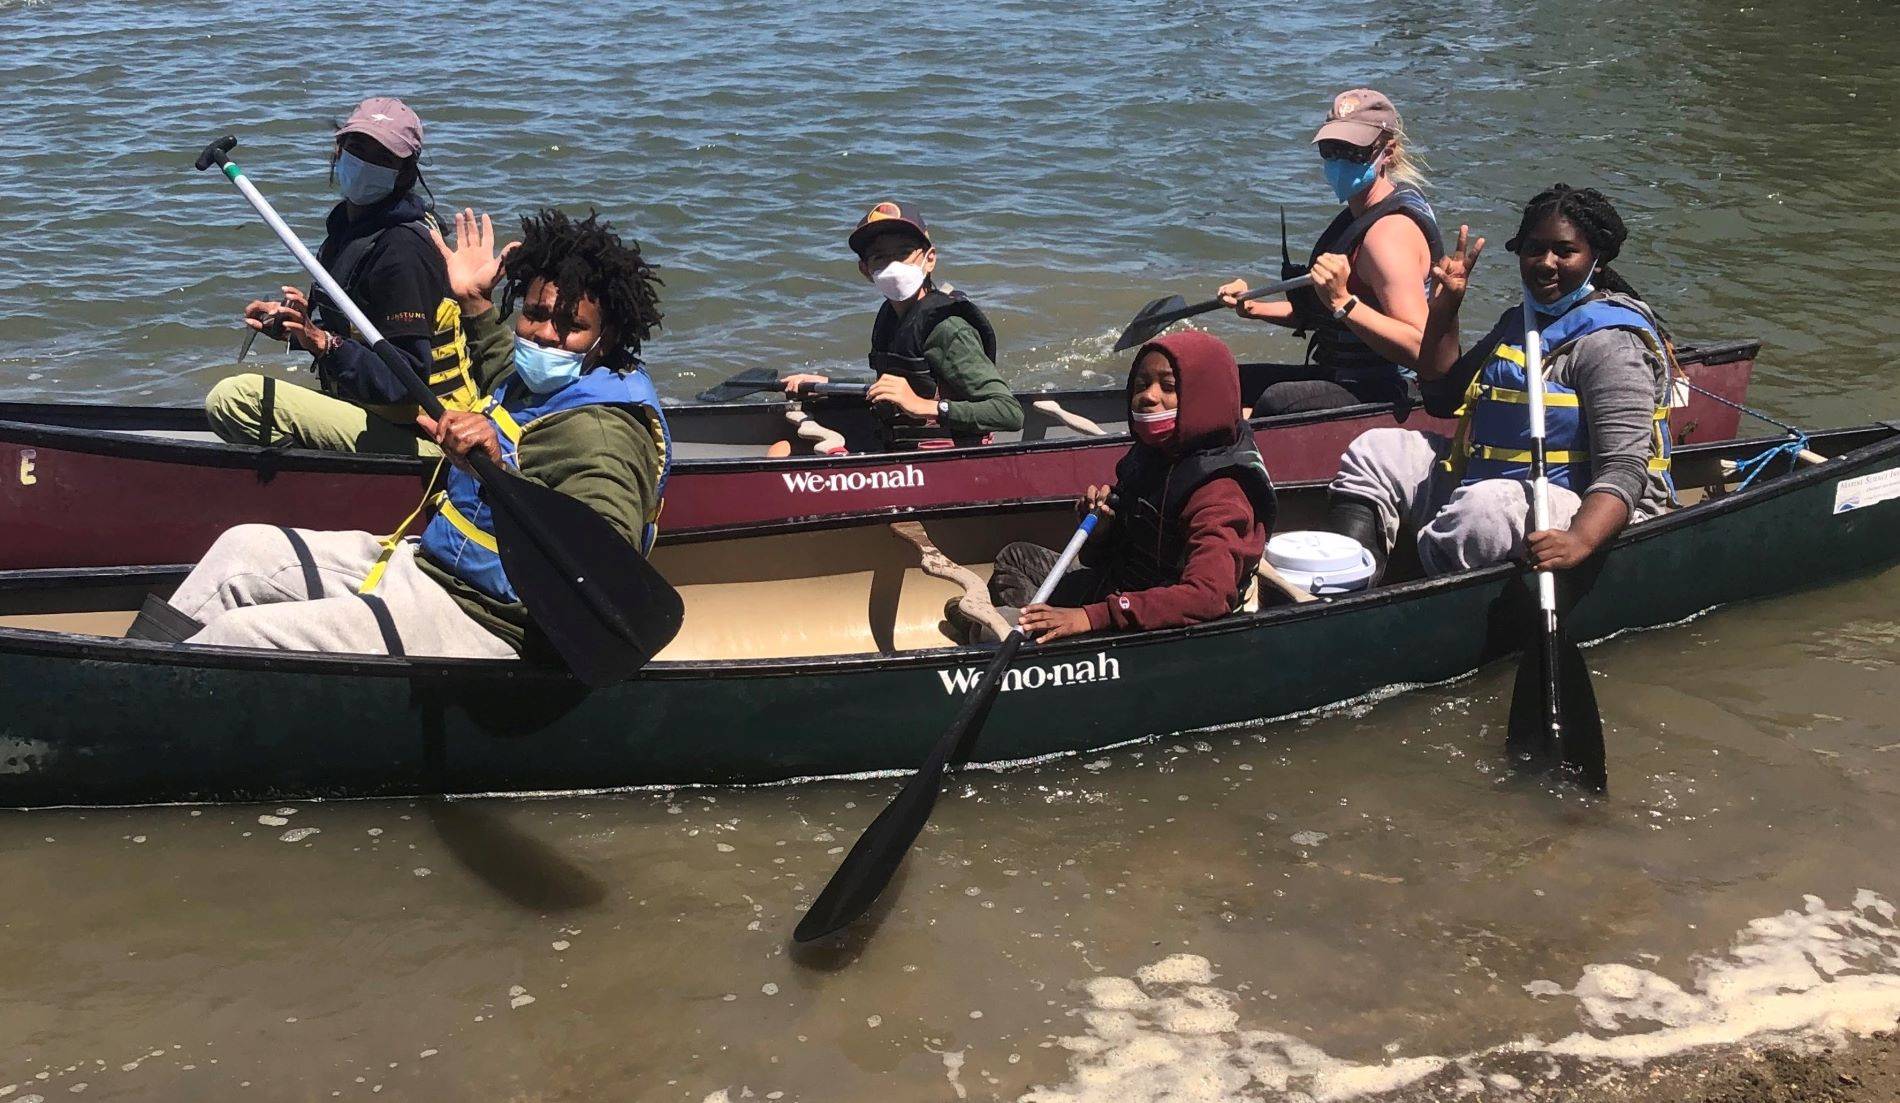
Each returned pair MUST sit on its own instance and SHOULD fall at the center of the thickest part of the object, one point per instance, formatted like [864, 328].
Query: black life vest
[1333, 345]
[897, 348]
[449, 376]
[1148, 546]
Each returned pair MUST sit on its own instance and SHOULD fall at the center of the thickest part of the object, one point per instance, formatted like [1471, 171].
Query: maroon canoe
[97, 486]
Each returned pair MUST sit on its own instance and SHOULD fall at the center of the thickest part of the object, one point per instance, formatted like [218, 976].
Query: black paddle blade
[602, 606]
[750, 381]
[865, 872]
[1582, 753]
[1150, 320]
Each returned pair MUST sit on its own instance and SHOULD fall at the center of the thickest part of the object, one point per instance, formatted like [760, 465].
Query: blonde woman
[1366, 308]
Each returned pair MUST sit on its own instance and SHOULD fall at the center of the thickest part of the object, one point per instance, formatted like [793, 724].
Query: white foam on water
[298, 834]
[272, 821]
[1814, 973]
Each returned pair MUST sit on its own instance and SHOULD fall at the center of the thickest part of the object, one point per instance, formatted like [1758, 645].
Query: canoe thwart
[824, 441]
[975, 601]
[1077, 422]
[1279, 582]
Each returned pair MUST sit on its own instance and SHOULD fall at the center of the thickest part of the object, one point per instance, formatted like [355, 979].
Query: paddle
[759, 380]
[880, 850]
[603, 607]
[1553, 675]
[1166, 311]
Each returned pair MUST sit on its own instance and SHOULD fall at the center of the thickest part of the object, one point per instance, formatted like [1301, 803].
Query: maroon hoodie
[1225, 538]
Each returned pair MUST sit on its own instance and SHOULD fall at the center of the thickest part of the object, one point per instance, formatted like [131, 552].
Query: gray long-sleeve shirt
[1620, 383]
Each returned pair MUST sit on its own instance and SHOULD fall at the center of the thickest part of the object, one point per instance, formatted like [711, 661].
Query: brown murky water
[1320, 908]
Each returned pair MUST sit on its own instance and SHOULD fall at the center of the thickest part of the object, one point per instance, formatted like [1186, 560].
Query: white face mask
[898, 281]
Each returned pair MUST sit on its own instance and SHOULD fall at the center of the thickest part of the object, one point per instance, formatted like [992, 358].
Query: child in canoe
[1194, 507]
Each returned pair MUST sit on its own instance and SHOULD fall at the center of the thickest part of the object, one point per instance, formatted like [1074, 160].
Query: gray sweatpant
[1458, 527]
[296, 590]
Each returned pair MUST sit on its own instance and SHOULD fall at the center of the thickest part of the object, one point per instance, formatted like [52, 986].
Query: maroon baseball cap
[1361, 117]
[886, 216]
[389, 121]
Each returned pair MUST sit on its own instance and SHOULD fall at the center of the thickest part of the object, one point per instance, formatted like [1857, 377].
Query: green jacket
[605, 456]
[980, 400]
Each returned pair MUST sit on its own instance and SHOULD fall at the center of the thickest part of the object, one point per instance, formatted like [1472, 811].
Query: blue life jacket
[1493, 440]
[460, 538]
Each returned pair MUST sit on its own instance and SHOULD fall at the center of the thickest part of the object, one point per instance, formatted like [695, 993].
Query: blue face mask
[361, 182]
[1349, 178]
[1562, 306]
[545, 370]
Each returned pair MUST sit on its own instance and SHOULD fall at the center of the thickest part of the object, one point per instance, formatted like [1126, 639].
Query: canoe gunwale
[41, 642]
[18, 426]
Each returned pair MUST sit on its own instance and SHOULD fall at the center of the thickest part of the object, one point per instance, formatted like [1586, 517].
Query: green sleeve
[491, 348]
[601, 455]
[980, 399]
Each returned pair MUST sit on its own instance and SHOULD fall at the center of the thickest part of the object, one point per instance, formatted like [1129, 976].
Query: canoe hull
[97, 495]
[95, 721]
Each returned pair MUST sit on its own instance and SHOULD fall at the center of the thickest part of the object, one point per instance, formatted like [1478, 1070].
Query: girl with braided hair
[1607, 385]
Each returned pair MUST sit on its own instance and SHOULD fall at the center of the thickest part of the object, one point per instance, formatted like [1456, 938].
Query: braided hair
[1590, 211]
[586, 259]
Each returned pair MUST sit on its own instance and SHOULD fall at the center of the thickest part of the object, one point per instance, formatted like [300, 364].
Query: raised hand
[474, 266]
[1453, 271]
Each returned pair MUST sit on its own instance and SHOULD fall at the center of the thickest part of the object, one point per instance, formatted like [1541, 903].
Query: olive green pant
[303, 418]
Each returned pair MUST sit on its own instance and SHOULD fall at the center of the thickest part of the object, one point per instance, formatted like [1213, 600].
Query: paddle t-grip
[217, 152]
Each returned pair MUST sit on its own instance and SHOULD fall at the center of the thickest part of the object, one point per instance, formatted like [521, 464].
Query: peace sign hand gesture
[474, 267]
[1453, 273]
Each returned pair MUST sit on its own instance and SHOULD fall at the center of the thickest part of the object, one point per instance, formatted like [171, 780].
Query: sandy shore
[1856, 1071]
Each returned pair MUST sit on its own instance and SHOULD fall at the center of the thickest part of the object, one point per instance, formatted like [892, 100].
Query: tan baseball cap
[1360, 116]
[389, 121]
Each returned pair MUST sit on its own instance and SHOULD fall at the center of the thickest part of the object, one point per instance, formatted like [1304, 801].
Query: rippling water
[1362, 883]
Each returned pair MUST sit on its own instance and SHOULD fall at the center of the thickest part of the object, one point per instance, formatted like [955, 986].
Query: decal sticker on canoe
[27, 468]
[1881, 486]
[1101, 668]
[898, 478]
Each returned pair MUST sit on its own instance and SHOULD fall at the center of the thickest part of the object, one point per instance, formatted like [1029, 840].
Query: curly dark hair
[586, 259]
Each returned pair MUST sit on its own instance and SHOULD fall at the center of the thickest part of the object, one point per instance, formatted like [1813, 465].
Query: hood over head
[1206, 386]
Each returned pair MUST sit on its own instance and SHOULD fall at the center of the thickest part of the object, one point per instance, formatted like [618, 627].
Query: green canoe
[817, 650]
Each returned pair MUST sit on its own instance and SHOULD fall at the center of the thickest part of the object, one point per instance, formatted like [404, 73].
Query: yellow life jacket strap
[467, 527]
[378, 569]
[504, 420]
[1505, 394]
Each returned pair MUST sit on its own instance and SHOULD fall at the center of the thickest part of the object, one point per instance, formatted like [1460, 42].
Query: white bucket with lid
[1321, 562]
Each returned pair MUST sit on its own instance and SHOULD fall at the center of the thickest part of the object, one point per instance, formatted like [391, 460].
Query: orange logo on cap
[1345, 106]
[883, 211]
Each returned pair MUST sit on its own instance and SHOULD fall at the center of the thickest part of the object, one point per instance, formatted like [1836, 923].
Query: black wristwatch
[943, 409]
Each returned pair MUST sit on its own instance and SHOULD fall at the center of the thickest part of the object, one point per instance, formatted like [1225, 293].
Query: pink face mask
[1155, 428]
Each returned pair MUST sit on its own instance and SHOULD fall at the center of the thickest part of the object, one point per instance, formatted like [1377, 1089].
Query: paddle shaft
[1540, 518]
[868, 869]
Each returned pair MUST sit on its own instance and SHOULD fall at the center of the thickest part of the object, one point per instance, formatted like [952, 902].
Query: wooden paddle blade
[1148, 321]
[865, 872]
[750, 381]
[602, 606]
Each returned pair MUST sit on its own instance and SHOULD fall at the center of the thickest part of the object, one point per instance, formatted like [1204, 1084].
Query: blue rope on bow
[1755, 465]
